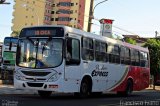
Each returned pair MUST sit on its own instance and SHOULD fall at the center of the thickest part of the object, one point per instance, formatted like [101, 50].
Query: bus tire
[128, 90]
[45, 94]
[85, 90]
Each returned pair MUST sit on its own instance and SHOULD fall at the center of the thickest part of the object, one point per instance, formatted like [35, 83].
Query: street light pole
[92, 13]
[90, 16]
[98, 4]
[26, 6]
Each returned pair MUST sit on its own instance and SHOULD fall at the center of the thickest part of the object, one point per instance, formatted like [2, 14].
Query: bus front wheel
[85, 89]
[45, 94]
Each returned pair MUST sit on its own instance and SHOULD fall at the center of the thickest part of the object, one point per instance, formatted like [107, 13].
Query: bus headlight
[19, 77]
[54, 77]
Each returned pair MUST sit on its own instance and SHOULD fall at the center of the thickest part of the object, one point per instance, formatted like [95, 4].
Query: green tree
[131, 41]
[154, 51]
[15, 33]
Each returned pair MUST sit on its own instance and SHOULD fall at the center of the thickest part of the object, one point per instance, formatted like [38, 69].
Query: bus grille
[31, 73]
[38, 79]
[34, 84]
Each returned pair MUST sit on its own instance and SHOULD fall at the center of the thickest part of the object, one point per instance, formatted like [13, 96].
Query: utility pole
[90, 16]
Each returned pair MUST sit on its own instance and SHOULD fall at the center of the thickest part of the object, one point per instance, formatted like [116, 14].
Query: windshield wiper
[49, 39]
[28, 38]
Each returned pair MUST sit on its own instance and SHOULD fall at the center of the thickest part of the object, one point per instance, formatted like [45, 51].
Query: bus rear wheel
[45, 94]
[128, 90]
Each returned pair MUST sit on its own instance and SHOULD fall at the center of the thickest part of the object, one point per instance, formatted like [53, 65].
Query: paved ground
[9, 89]
[19, 97]
[146, 97]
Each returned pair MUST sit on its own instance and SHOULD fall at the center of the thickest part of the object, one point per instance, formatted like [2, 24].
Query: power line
[117, 32]
[124, 30]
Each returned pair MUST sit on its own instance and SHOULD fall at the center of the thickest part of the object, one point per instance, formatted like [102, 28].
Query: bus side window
[110, 49]
[117, 54]
[127, 56]
[72, 51]
[143, 59]
[133, 61]
[137, 57]
[87, 49]
[101, 51]
[114, 54]
[122, 55]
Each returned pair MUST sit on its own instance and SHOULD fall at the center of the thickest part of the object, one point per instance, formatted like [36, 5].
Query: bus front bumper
[45, 86]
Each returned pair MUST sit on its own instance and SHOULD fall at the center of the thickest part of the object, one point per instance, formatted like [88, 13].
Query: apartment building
[74, 13]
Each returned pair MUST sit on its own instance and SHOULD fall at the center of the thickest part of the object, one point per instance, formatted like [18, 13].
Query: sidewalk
[151, 88]
[9, 89]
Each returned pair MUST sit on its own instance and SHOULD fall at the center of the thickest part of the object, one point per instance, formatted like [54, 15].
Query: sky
[140, 17]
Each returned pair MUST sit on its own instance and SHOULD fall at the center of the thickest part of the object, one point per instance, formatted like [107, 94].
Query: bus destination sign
[42, 32]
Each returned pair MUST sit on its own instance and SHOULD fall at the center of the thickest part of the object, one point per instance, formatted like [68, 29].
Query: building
[139, 40]
[74, 13]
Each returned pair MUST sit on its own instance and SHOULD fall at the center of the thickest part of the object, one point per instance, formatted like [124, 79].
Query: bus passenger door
[72, 67]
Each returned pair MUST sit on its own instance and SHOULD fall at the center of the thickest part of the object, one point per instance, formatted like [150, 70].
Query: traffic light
[2, 1]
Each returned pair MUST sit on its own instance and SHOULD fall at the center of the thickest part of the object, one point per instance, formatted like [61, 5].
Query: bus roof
[68, 29]
[10, 37]
[105, 39]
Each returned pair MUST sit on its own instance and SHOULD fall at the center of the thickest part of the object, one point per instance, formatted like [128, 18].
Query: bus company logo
[100, 71]
[34, 79]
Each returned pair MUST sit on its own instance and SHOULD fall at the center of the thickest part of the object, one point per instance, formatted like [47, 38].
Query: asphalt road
[143, 98]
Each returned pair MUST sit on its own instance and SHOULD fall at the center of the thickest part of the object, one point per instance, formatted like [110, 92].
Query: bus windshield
[39, 52]
[9, 40]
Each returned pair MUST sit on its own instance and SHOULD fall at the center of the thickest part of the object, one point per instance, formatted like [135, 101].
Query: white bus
[96, 63]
